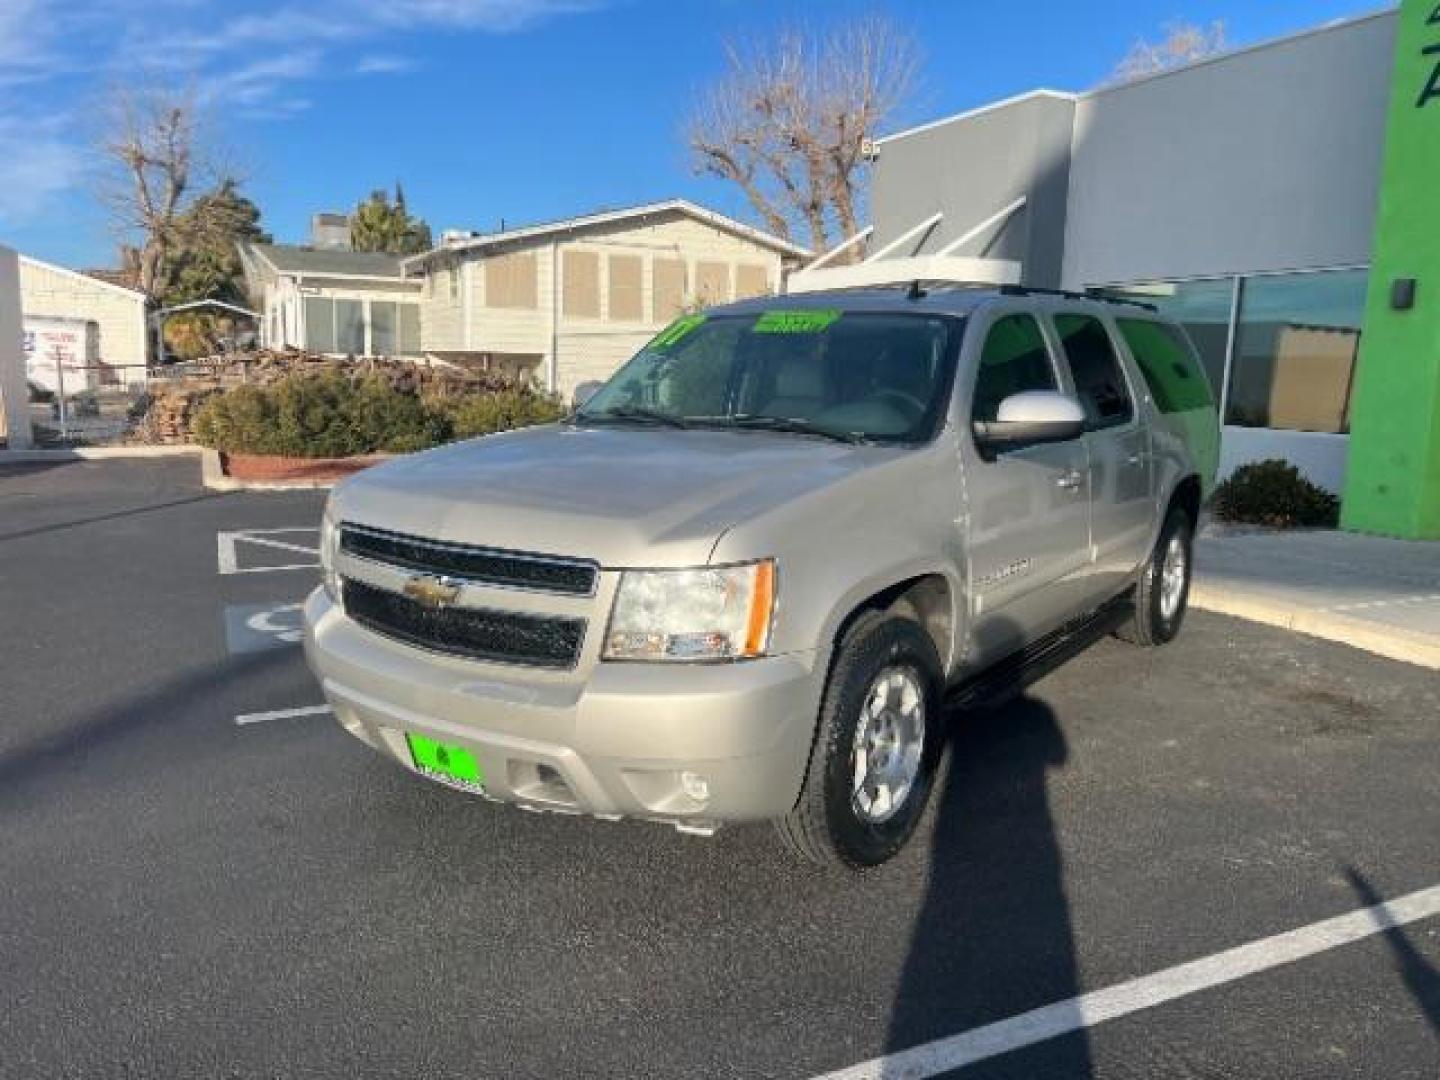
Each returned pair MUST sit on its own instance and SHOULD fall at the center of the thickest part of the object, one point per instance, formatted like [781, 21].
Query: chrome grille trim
[470, 564]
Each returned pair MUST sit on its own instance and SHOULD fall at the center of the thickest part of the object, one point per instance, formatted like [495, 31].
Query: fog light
[695, 786]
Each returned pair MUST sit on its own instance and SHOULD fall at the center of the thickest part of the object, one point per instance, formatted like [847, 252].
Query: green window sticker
[676, 330]
[795, 322]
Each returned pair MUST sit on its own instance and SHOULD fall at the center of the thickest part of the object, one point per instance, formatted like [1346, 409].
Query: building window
[382, 327]
[580, 290]
[454, 278]
[667, 288]
[1202, 307]
[510, 281]
[627, 301]
[712, 282]
[320, 324]
[1099, 384]
[1295, 350]
[409, 330]
[362, 327]
[350, 327]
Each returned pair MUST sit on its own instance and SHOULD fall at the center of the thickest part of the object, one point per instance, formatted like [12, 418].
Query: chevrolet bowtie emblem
[430, 591]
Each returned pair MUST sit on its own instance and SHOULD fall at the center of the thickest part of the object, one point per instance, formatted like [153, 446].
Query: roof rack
[1068, 294]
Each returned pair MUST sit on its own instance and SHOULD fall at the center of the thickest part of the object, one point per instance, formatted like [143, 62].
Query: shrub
[1274, 493]
[501, 410]
[332, 415]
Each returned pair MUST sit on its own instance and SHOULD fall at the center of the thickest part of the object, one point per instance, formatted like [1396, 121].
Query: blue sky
[488, 109]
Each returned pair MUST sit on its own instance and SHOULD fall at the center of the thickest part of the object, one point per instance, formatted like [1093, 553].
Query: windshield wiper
[794, 425]
[634, 414]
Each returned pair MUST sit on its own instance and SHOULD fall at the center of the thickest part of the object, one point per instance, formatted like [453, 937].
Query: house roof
[293, 259]
[607, 217]
[88, 278]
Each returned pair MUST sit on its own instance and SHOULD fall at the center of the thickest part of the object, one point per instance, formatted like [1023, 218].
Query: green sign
[1393, 486]
[676, 330]
[795, 322]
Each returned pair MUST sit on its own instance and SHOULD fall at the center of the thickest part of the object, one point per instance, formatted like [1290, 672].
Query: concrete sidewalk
[1367, 591]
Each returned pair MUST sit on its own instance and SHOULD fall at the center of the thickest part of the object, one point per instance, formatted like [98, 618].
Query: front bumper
[611, 740]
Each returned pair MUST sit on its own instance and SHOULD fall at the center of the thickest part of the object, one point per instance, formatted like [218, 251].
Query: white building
[562, 303]
[111, 318]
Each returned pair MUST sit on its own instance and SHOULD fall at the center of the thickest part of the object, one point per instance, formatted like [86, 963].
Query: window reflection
[1295, 351]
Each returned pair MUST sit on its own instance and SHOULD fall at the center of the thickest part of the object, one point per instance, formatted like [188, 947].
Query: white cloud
[383, 64]
[36, 165]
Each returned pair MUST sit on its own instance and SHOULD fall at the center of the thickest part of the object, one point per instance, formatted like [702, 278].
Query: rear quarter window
[1174, 376]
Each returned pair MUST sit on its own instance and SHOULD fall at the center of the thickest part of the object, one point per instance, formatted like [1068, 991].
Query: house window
[382, 327]
[1295, 349]
[350, 327]
[667, 286]
[320, 324]
[751, 281]
[627, 303]
[580, 291]
[712, 282]
[409, 330]
[510, 281]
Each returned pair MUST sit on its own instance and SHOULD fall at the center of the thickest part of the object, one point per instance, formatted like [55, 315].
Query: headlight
[710, 613]
[329, 547]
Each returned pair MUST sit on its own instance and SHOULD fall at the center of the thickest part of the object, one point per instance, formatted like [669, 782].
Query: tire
[882, 657]
[1160, 608]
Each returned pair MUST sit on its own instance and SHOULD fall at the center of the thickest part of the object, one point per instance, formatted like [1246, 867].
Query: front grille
[483, 566]
[507, 637]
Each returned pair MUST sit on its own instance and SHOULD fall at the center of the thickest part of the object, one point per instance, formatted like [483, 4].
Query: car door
[1119, 482]
[1027, 522]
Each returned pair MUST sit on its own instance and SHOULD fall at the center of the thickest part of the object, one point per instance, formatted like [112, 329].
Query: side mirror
[585, 391]
[1028, 419]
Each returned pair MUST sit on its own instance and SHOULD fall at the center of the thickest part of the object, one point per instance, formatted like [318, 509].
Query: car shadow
[1421, 978]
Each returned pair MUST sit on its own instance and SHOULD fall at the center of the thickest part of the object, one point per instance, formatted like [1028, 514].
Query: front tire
[1163, 591]
[876, 747]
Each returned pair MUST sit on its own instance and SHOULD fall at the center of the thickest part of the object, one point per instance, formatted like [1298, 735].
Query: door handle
[1137, 458]
[1070, 481]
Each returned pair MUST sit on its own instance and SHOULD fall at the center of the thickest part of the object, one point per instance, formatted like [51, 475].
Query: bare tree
[155, 164]
[788, 121]
[1184, 43]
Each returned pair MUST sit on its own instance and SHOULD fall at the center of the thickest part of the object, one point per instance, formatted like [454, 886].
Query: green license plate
[449, 764]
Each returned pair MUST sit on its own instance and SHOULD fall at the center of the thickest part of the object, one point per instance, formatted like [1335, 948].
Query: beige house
[331, 300]
[111, 317]
[569, 301]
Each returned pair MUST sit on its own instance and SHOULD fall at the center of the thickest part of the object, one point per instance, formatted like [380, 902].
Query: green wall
[1393, 484]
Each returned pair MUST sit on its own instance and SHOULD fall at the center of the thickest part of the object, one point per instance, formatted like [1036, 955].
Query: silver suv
[739, 582]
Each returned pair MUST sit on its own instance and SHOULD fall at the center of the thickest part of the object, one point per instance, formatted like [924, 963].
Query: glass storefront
[1295, 342]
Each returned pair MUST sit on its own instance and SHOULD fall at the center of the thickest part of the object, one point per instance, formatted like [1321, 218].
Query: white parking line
[1087, 1010]
[227, 549]
[281, 714]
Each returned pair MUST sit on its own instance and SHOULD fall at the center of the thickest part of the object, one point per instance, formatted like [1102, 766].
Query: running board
[1007, 678]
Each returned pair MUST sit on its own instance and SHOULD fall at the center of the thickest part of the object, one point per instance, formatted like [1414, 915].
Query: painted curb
[96, 453]
[212, 475]
[1393, 642]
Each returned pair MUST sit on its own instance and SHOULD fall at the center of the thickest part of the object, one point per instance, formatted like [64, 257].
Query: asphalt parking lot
[182, 894]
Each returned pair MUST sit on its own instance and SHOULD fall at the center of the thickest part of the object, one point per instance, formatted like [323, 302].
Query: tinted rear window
[1175, 379]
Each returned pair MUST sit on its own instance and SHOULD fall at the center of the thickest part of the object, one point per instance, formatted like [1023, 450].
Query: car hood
[620, 496]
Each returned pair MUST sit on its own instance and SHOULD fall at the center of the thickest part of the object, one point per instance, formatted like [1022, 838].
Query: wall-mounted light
[1402, 294]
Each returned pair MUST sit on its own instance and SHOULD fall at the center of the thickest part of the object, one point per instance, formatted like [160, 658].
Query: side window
[1014, 359]
[1099, 383]
[1171, 370]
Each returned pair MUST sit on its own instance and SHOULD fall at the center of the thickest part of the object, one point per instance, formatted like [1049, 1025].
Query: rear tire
[876, 746]
[1163, 591]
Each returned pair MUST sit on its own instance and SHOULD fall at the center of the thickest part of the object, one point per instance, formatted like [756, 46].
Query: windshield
[843, 375]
